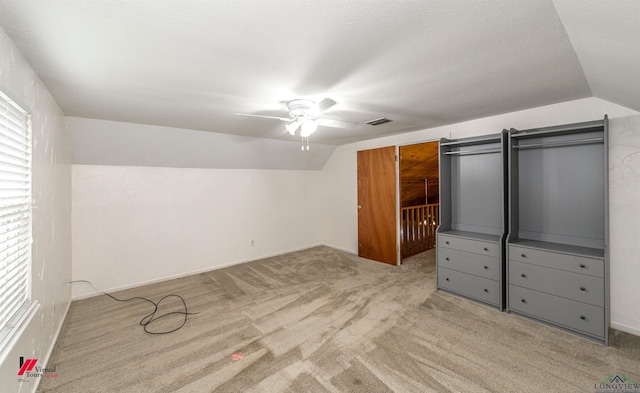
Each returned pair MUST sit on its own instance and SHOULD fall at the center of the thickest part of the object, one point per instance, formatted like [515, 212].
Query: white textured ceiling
[606, 37]
[191, 64]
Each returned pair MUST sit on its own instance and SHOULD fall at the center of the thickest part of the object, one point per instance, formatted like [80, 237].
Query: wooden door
[377, 233]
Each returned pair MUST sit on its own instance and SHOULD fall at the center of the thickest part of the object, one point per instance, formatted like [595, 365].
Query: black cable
[148, 319]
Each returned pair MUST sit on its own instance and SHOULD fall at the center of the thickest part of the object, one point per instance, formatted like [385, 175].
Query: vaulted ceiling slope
[422, 63]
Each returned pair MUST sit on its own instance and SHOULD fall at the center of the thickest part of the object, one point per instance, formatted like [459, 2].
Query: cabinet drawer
[479, 265]
[576, 286]
[571, 263]
[479, 288]
[474, 246]
[567, 313]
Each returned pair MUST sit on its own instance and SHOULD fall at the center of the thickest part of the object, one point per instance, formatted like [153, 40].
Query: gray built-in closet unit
[471, 236]
[557, 247]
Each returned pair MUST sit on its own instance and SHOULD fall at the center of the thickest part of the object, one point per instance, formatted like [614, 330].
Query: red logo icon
[26, 366]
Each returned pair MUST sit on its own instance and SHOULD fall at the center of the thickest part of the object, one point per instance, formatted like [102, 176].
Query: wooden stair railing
[418, 228]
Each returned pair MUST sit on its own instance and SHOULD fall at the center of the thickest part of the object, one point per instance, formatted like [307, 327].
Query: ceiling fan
[304, 116]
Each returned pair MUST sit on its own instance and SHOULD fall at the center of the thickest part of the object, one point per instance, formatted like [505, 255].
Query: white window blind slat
[7, 316]
[15, 277]
[12, 213]
[12, 143]
[13, 153]
[17, 296]
[15, 215]
[12, 167]
[14, 247]
[11, 115]
[13, 202]
[16, 290]
[14, 178]
[16, 251]
[15, 160]
[10, 107]
[13, 140]
[13, 129]
[11, 170]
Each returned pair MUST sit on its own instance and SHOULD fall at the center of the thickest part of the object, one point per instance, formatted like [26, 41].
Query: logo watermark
[617, 384]
[29, 369]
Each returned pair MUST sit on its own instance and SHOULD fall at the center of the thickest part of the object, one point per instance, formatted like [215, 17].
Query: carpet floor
[321, 320]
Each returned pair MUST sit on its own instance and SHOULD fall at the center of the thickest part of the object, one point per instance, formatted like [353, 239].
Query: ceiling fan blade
[266, 117]
[325, 104]
[336, 123]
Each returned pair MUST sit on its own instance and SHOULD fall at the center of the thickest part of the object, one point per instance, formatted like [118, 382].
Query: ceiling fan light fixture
[293, 126]
[308, 127]
[304, 116]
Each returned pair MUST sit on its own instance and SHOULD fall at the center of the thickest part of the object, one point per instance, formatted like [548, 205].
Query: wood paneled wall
[419, 162]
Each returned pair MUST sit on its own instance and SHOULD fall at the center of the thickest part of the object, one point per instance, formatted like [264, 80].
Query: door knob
[359, 206]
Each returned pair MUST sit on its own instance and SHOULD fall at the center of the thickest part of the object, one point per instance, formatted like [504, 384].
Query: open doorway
[419, 197]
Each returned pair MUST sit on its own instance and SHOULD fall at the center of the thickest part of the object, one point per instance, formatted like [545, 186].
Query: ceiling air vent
[377, 122]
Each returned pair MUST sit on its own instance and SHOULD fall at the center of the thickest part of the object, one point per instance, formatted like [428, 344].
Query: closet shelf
[470, 152]
[576, 142]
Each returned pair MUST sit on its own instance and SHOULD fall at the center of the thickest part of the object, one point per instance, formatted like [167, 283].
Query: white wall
[135, 225]
[51, 268]
[624, 219]
[339, 188]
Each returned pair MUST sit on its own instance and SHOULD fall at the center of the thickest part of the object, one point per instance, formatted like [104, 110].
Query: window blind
[15, 215]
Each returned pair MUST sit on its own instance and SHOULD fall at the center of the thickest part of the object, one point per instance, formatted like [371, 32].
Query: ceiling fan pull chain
[305, 146]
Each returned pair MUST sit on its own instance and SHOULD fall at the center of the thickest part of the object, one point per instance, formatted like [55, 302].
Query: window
[15, 216]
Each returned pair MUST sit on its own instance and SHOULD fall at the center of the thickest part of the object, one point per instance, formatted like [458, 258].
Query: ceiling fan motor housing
[302, 108]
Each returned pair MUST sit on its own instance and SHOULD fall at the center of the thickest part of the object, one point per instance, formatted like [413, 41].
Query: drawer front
[571, 263]
[576, 286]
[479, 288]
[479, 265]
[567, 313]
[468, 245]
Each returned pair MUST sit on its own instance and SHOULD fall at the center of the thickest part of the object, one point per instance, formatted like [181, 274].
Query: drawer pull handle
[446, 242]
[524, 275]
[447, 278]
[486, 249]
[486, 290]
[583, 317]
[523, 255]
[523, 300]
[582, 265]
[486, 267]
[583, 289]
[446, 259]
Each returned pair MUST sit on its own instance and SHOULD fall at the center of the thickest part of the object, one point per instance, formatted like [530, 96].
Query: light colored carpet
[322, 320]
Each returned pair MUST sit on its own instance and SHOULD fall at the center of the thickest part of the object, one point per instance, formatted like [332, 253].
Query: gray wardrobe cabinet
[524, 224]
[471, 236]
[557, 245]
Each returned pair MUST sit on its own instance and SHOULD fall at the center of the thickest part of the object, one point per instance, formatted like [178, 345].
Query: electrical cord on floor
[148, 319]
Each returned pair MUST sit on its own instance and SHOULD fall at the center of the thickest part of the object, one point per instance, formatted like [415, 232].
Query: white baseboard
[192, 272]
[627, 329]
[352, 252]
[53, 345]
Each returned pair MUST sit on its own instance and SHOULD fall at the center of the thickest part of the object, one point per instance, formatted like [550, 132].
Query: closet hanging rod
[574, 142]
[470, 152]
